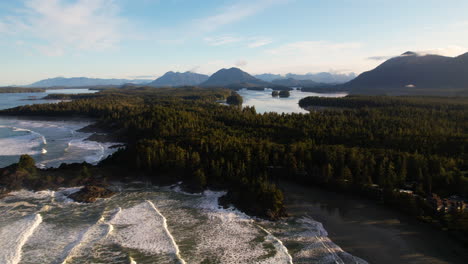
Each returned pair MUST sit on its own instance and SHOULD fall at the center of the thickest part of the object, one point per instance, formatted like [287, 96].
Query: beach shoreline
[370, 231]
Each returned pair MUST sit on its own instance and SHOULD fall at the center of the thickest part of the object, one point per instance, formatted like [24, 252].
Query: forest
[373, 146]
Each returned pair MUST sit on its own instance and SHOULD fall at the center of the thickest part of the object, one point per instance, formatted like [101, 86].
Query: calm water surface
[9, 100]
[264, 102]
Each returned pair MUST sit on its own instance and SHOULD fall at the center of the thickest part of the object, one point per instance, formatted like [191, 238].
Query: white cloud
[259, 42]
[61, 26]
[222, 40]
[451, 51]
[234, 13]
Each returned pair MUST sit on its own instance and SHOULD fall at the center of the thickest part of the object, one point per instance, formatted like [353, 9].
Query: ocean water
[10, 100]
[50, 143]
[264, 102]
[148, 224]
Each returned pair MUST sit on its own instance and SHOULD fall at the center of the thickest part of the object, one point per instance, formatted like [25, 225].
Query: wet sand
[372, 232]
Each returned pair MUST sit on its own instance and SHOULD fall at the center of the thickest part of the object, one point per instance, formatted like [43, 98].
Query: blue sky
[145, 38]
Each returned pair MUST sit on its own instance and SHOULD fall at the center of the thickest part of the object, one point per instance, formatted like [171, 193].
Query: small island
[275, 93]
[234, 99]
[284, 94]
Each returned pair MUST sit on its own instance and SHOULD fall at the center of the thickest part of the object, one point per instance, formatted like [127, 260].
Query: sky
[145, 38]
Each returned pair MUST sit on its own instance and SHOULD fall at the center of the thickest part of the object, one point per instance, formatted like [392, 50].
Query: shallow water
[371, 231]
[50, 143]
[148, 224]
[264, 102]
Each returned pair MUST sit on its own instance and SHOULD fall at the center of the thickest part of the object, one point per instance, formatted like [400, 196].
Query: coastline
[371, 232]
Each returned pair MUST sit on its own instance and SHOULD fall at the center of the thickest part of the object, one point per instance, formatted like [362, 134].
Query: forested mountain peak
[179, 79]
[427, 73]
[233, 76]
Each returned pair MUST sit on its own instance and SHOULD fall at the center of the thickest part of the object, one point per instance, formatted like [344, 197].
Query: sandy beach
[371, 231]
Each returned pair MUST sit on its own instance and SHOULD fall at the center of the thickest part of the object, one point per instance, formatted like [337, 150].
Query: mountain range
[411, 73]
[83, 81]
[321, 77]
[179, 79]
[291, 82]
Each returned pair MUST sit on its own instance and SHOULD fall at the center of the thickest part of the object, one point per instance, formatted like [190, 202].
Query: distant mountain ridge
[83, 81]
[233, 77]
[179, 79]
[291, 82]
[410, 72]
[321, 77]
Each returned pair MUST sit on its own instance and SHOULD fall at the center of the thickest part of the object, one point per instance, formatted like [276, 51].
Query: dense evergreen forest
[375, 146]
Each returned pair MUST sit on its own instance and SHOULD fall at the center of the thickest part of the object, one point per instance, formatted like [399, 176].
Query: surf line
[278, 242]
[110, 227]
[336, 258]
[76, 246]
[24, 238]
[174, 244]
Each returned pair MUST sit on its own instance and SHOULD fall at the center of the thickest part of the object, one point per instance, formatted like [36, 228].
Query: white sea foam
[110, 227]
[166, 229]
[318, 247]
[25, 194]
[96, 148]
[38, 135]
[62, 194]
[278, 245]
[88, 238]
[141, 227]
[14, 236]
[26, 144]
[228, 235]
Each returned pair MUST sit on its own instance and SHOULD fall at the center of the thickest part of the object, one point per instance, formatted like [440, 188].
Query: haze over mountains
[291, 82]
[83, 81]
[321, 77]
[224, 77]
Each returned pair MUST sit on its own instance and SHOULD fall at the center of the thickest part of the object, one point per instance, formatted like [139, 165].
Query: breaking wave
[14, 236]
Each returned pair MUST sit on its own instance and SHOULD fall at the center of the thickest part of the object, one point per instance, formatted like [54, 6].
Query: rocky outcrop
[90, 194]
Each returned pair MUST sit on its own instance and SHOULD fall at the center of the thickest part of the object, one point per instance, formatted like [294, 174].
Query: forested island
[406, 152]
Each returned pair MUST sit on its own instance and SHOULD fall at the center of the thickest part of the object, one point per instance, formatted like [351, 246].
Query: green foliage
[28, 164]
[234, 99]
[284, 94]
